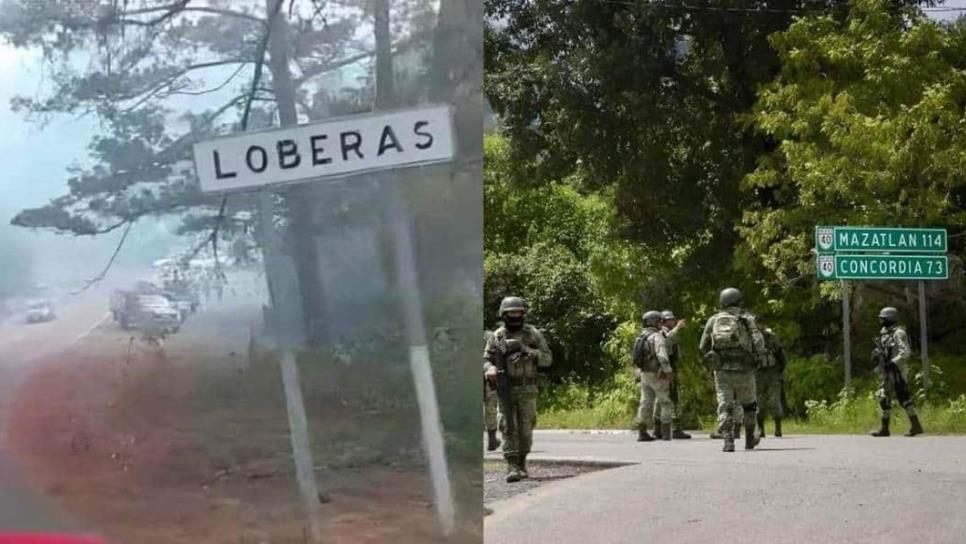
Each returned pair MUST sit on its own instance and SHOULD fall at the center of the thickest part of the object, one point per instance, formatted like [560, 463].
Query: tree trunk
[301, 228]
[457, 71]
[385, 88]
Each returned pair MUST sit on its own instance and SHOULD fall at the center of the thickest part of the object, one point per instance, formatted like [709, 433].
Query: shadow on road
[782, 449]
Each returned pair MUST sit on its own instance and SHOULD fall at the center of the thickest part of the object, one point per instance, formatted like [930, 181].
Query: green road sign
[883, 267]
[880, 240]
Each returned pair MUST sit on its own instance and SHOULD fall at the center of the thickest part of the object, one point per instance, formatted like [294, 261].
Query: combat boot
[729, 444]
[916, 426]
[492, 442]
[658, 434]
[523, 468]
[513, 475]
[778, 427]
[883, 430]
[750, 439]
[677, 433]
[642, 435]
[665, 431]
[761, 426]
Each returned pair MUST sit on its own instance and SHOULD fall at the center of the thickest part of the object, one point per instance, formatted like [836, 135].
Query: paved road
[795, 489]
[21, 506]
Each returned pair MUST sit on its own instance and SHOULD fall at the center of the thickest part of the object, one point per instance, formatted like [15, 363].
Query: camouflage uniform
[734, 374]
[768, 382]
[491, 405]
[892, 344]
[896, 341]
[674, 354]
[651, 349]
[518, 414]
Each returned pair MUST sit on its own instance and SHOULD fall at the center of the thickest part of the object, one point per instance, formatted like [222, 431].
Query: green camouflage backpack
[643, 355]
[730, 334]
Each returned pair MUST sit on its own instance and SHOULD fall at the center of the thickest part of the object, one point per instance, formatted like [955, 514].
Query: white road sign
[335, 148]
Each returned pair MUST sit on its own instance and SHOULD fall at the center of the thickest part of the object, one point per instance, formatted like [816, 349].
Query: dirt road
[191, 445]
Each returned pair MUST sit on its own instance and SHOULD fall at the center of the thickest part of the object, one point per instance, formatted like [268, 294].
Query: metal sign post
[924, 337]
[419, 360]
[847, 334]
[331, 150]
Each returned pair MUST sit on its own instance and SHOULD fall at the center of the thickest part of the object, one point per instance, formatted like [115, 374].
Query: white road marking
[92, 328]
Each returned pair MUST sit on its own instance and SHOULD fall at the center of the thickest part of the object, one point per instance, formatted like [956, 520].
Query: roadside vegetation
[606, 195]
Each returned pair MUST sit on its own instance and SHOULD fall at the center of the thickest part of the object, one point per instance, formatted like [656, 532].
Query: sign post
[334, 150]
[882, 253]
[847, 333]
[923, 340]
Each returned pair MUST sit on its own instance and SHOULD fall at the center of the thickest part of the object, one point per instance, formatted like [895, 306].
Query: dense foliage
[708, 144]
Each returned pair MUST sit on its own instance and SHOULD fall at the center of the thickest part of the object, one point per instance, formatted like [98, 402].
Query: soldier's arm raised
[903, 350]
[674, 333]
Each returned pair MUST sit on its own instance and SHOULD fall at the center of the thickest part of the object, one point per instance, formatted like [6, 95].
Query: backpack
[643, 354]
[729, 334]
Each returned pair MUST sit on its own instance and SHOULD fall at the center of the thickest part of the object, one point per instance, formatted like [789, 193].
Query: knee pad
[753, 407]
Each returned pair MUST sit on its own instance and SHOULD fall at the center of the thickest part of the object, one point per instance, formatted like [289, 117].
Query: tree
[147, 77]
[866, 117]
[649, 99]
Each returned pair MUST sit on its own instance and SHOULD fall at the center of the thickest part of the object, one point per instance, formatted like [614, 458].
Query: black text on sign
[336, 148]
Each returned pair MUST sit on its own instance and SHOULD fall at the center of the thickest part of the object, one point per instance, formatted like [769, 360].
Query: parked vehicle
[136, 310]
[40, 312]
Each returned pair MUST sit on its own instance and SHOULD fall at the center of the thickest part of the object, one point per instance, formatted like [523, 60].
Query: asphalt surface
[797, 489]
[22, 507]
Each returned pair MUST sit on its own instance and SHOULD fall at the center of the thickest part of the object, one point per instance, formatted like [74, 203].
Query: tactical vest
[517, 366]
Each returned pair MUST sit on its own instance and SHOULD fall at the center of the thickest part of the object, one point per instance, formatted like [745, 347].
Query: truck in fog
[143, 311]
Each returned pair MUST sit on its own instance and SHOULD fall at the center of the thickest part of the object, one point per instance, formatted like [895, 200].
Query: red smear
[26, 538]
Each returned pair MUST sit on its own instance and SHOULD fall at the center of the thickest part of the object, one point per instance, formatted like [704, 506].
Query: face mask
[513, 323]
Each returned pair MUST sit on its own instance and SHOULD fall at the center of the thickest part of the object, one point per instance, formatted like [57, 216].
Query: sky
[35, 161]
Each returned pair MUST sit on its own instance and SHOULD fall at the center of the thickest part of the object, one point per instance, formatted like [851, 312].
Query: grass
[856, 415]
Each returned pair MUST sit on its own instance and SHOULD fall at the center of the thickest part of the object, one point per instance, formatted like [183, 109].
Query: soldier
[732, 343]
[671, 326]
[768, 383]
[893, 352]
[491, 403]
[651, 356]
[511, 359]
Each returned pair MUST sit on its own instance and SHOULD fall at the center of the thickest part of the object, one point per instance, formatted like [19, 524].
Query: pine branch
[97, 279]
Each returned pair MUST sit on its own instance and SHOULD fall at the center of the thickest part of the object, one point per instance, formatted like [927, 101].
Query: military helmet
[889, 314]
[652, 317]
[729, 297]
[512, 304]
[667, 314]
